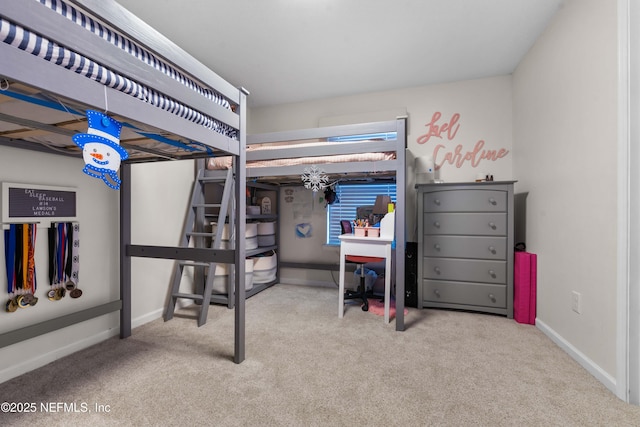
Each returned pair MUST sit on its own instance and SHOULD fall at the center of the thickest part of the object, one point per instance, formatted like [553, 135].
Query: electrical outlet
[576, 303]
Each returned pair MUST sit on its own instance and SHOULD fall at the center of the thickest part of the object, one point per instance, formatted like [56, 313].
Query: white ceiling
[286, 51]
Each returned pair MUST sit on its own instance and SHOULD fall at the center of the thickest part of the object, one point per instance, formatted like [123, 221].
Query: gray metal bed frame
[19, 66]
[396, 166]
[23, 67]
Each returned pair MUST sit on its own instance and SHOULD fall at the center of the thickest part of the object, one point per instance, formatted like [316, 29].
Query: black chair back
[345, 225]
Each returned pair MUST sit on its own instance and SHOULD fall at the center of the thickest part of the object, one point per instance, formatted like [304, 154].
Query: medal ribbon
[52, 252]
[64, 244]
[31, 262]
[60, 248]
[10, 255]
[25, 256]
[19, 252]
[68, 249]
[18, 257]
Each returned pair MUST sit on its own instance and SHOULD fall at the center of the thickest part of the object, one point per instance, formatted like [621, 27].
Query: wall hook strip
[22, 222]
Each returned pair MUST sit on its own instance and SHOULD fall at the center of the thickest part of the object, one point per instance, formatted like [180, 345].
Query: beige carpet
[306, 367]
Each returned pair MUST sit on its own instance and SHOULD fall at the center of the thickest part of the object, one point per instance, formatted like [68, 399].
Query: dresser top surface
[463, 183]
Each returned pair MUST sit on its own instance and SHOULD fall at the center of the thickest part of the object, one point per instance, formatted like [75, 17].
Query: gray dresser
[465, 246]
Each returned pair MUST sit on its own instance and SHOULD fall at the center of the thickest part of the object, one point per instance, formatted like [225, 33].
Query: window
[385, 136]
[350, 197]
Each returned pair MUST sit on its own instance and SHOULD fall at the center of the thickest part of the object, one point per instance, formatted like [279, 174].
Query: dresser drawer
[466, 270]
[465, 201]
[486, 224]
[481, 247]
[472, 294]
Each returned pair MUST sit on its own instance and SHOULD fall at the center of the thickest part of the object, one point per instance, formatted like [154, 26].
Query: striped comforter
[41, 47]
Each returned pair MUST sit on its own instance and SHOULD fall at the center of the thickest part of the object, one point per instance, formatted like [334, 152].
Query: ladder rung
[194, 264]
[194, 297]
[206, 205]
[219, 179]
[194, 215]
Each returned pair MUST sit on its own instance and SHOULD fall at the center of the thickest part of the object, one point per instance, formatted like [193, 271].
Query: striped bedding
[41, 47]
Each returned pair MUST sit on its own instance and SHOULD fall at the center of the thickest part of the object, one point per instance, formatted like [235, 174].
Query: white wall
[560, 100]
[565, 151]
[98, 216]
[161, 196]
[484, 109]
[557, 117]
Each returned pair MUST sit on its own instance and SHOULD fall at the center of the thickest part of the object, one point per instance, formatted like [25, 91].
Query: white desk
[366, 246]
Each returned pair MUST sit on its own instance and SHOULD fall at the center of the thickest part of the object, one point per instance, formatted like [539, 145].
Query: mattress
[33, 43]
[225, 162]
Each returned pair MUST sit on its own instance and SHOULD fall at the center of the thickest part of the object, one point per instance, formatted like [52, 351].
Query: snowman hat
[102, 129]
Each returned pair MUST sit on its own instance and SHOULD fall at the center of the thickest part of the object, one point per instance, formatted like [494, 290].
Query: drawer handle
[437, 292]
[437, 270]
[436, 202]
[492, 225]
[492, 250]
[436, 247]
[492, 273]
[492, 298]
[492, 201]
[436, 224]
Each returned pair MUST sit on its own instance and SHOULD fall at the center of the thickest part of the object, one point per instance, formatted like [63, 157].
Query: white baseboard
[584, 361]
[156, 314]
[50, 356]
[146, 318]
[41, 360]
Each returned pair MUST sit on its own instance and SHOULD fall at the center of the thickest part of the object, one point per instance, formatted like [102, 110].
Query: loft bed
[62, 58]
[282, 157]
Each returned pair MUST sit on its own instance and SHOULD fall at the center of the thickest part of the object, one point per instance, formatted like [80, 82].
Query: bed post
[241, 219]
[125, 241]
[400, 216]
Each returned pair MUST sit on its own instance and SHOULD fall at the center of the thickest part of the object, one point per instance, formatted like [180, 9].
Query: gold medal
[51, 295]
[60, 292]
[25, 301]
[34, 300]
[11, 305]
[22, 301]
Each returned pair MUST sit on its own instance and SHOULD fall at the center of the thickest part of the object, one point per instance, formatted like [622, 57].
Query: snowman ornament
[101, 148]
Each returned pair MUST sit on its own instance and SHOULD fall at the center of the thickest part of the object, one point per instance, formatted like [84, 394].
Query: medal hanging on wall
[20, 241]
[64, 243]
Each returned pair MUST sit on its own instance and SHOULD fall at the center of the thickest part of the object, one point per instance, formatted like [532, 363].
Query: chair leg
[361, 292]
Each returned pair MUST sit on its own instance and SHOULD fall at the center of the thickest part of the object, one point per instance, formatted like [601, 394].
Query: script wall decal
[446, 131]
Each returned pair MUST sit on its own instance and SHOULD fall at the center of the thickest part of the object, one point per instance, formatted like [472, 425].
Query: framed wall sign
[32, 202]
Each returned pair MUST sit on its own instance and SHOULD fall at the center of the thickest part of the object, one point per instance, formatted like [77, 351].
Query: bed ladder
[194, 228]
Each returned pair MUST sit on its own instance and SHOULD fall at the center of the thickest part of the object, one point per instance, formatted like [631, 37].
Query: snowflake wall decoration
[314, 178]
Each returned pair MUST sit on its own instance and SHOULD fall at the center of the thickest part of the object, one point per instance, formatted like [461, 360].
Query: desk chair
[360, 261]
